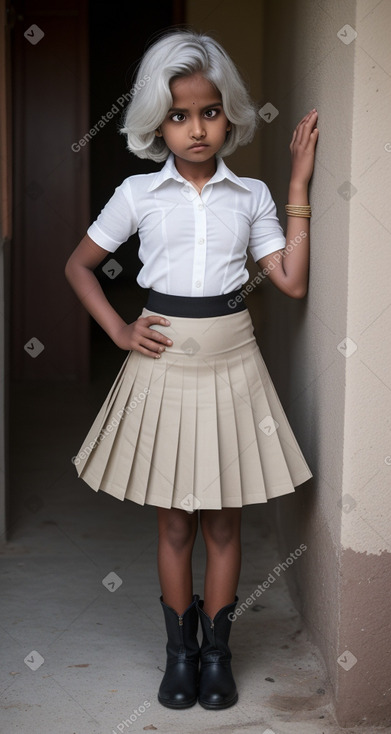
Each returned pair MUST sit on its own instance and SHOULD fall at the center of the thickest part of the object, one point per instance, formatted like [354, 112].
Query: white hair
[180, 54]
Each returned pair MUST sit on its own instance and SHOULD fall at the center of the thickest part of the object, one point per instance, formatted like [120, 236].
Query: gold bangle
[306, 207]
[295, 210]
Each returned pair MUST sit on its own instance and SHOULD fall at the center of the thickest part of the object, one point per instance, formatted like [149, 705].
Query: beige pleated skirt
[200, 428]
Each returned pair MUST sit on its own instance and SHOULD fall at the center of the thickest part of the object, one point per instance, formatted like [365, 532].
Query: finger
[156, 336]
[293, 138]
[299, 133]
[308, 132]
[148, 352]
[314, 136]
[299, 129]
[152, 346]
[305, 129]
[308, 118]
[311, 121]
[311, 113]
[302, 122]
[155, 319]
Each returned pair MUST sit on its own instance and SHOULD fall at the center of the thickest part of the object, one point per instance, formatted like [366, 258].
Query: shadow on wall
[289, 91]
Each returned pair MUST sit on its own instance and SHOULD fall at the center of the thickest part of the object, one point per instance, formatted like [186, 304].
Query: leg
[177, 533]
[221, 532]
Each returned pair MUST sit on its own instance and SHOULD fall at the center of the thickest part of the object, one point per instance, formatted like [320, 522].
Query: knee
[219, 531]
[178, 532]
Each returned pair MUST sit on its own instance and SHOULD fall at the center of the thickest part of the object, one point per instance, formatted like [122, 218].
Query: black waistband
[195, 306]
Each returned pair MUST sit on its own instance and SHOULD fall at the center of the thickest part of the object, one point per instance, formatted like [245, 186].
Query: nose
[197, 128]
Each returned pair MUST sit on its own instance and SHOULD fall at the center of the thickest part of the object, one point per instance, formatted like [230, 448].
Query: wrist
[116, 330]
[298, 192]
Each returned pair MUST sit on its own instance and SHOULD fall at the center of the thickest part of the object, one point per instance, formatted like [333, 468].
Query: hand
[139, 337]
[302, 147]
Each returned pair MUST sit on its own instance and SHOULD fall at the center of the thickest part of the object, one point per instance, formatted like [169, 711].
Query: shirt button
[201, 241]
[200, 206]
[197, 284]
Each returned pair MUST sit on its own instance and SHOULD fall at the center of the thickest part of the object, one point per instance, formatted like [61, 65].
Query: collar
[169, 171]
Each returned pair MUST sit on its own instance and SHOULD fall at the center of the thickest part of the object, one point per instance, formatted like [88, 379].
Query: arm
[137, 335]
[290, 273]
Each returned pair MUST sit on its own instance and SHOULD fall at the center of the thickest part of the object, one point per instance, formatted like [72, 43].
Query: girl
[192, 423]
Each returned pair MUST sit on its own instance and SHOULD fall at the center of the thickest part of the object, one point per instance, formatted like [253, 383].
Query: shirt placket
[199, 261]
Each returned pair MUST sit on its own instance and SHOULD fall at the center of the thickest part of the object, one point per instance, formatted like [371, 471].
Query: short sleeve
[117, 220]
[266, 234]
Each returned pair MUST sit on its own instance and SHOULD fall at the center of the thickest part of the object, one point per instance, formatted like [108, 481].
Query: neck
[197, 172]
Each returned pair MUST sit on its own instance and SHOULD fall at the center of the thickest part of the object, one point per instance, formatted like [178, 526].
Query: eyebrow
[207, 107]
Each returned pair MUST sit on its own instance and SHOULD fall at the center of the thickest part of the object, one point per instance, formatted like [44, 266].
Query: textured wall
[365, 564]
[305, 65]
[337, 393]
[367, 470]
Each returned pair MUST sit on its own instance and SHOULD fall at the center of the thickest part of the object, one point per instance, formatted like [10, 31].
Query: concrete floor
[78, 658]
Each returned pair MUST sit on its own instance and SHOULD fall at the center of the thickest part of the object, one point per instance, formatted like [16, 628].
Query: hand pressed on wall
[302, 147]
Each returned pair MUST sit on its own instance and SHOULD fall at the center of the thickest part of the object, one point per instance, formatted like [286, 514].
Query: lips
[199, 145]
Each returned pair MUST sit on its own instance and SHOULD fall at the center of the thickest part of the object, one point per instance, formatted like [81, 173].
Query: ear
[158, 133]
[229, 127]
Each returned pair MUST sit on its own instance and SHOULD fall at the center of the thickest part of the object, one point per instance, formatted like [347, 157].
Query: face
[196, 126]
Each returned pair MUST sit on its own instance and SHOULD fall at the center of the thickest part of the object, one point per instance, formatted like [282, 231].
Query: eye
[176, 116]
[211, 113]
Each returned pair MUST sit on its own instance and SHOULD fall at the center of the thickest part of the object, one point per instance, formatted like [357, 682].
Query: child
[192, 421]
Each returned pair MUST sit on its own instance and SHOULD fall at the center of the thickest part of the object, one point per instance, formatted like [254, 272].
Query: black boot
[217, 689]
[179, 687]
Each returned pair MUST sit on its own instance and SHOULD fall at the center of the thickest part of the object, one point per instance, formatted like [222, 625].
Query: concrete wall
[365, 523]
[339, 399]
[336, 393]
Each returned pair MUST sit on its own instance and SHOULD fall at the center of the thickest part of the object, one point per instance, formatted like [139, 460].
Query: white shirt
[191, 244]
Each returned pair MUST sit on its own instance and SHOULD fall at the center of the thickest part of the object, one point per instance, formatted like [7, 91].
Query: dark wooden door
[50, 328]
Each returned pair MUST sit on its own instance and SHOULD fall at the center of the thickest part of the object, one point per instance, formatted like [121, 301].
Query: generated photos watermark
[126, 723]
[260, 276]
[117, 107]
[272, 577]
[136, 400]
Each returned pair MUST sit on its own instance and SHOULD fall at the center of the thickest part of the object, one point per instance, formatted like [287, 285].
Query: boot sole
[218, 706]
[177, 705]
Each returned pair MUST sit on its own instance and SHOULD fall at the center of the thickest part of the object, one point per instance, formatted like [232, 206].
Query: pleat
[265, 417]
[119, 381]
[164, 455]
[231, 492]
[99, 468]
[207, 466]
[283, 462]
[251, 471]
[183, 495]
[137, 485]
[116, 397]
[118, 454]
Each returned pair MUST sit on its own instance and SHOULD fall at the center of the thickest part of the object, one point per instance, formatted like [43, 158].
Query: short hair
[181, 53]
